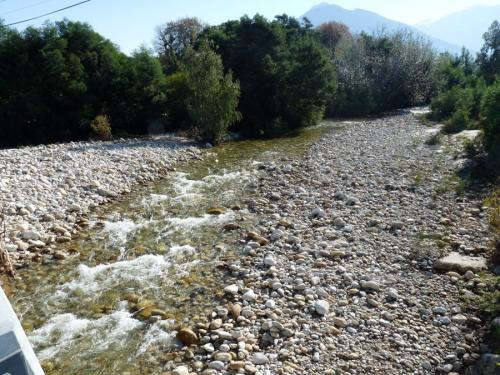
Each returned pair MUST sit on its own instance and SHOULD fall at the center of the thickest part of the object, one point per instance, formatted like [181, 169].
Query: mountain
[464, 28]
[363, 20]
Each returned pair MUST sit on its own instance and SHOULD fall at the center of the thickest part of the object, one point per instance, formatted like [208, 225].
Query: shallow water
[156, 245]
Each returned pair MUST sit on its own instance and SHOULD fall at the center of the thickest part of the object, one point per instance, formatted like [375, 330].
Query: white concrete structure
[16, 355]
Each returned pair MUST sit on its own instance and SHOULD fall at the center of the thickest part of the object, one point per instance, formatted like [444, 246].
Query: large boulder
[460, 263]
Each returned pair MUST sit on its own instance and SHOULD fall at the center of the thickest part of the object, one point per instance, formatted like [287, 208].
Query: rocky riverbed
[358, 257]
[47, 191]
[339, 276]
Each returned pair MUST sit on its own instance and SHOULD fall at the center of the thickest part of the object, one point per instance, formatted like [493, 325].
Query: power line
[26, 7]
[48, 14]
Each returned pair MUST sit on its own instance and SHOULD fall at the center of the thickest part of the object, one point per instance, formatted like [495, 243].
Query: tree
[383, 71]
[489, 57]
[282, 88]
[54, 80]
[173, 38]
[490, 120]
[331, 33]
[213, 99]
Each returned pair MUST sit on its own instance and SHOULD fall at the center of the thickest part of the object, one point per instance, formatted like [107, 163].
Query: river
[146, 265]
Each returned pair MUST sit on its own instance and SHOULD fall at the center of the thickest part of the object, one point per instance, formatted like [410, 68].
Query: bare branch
[4, 255]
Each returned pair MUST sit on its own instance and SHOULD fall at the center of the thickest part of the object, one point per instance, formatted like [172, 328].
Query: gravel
[345, 283]
[47, 191]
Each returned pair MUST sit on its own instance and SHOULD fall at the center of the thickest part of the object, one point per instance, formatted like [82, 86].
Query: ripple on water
[143, 272]
[61, 332]
[119, 230]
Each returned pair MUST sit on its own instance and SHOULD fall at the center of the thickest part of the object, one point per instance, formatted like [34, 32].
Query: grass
[428, 245]
[435, 139]
[451, 183]
[418, 175]
[488, 302]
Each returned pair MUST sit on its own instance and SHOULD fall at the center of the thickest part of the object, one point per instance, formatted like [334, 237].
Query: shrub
[100, 128]
[285, 73]
[490, 120]
[213, 98]
[444, 105]
[459, 121]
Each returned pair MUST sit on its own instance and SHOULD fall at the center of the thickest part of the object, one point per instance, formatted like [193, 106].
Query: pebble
[322, 307]
[259, 359]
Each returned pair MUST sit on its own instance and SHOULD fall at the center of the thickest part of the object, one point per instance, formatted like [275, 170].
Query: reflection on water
[152, 254]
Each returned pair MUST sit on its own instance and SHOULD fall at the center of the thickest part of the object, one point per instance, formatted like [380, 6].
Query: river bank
[339, 275]
[313, 254]
[48, 191]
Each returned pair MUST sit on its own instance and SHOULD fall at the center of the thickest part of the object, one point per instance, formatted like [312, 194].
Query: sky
[131, 23]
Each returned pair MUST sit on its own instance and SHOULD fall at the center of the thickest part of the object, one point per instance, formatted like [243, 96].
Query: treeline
[469, 92]
[259, 77]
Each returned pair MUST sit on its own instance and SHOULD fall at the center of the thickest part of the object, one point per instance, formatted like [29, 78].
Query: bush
[285, 73]
[444, 105]
[459, 121]
[213, 98]
[100, 128]
[381, 72]
[490, 120]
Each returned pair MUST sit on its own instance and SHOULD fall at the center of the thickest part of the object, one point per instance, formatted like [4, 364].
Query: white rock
[208, 347]
[322, 307]
[269, 260]
[370, 285]
[249, 296]
[231, 289]
[30, 235]
[181, 370]
[461, 263]
[259, 359]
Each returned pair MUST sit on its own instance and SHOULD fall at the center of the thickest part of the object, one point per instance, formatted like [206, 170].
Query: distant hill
[464, 28]
[363, 20]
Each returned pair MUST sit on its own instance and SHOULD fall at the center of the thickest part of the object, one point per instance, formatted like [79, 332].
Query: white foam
[190, 223]
[156, 336]
[105, 276]
[226, 177]
[148, 272]
[62, 330]
[120, 230]
[184, 186]
[156, 198]
[182, 250]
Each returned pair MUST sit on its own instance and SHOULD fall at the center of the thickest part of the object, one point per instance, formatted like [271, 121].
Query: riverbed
[146, 264]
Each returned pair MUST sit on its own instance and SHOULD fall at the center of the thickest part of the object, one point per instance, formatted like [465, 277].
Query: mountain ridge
[368, 21]
[464, 27]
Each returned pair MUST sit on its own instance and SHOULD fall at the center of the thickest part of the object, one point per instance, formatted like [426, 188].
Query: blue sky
[130, 23]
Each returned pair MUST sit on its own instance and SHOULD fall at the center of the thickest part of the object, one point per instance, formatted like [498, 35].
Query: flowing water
[155, 252]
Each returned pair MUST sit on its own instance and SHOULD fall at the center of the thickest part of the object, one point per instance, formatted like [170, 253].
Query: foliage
[490, 120]
[285, 75]
[213, 99]
[469, 93]
[331, 34]
[381, 72]
[100, 128]
[489, 57]
[174, 38]
[56, 79]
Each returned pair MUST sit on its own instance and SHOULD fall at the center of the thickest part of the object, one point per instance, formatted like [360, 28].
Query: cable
[26, 7]
[48, 14]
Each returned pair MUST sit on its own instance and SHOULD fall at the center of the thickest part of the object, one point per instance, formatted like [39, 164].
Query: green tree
[174, 38]
[213, 99]
[490, 119]
[277, 79]
[54, 80]
[489, 57]
[383, 71]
